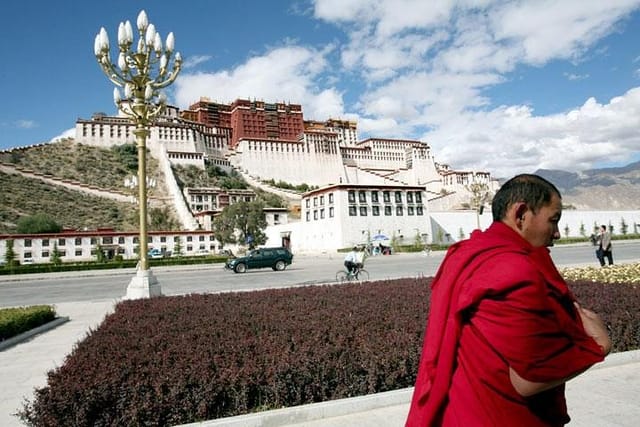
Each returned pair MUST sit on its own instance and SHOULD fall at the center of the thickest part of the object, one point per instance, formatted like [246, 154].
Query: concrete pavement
[604, 396]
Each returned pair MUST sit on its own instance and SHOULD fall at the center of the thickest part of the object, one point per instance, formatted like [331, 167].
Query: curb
[312, 411]
[10, 342]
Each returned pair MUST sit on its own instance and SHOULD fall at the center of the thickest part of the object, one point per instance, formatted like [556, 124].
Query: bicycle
[358, 274]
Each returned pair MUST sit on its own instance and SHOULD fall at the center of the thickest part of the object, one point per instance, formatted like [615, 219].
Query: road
[306, 270]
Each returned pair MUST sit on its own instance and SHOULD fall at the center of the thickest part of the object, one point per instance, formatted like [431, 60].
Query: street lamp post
[143, 102]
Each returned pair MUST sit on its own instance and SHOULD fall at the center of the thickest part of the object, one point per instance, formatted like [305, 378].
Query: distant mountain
[615, 188]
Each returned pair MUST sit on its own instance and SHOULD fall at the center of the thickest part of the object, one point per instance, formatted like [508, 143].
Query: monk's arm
[594, 326]
[526, 388]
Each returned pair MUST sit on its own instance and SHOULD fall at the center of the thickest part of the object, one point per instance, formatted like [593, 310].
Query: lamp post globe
[141, 71]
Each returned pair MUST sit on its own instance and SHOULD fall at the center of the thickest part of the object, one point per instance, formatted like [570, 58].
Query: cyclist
[352, 260]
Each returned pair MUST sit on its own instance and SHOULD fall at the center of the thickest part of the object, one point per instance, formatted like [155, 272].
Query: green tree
[232, 181]
[177, 247]
[480, 195]
[241, 222]
[417, 241]
[127, 155]
[583, 230]
[37, 224]
[10, 254]
[55, 255]
[395, 242]
[161, 219]
[100, 257]
[624, 228]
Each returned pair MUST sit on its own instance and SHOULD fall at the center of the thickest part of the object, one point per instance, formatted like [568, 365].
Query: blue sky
[501, 86]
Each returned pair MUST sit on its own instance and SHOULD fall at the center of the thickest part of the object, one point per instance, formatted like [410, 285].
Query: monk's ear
[520, 209]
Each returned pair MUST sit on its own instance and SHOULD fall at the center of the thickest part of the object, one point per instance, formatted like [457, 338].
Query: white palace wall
[463, 223]
[292, 162]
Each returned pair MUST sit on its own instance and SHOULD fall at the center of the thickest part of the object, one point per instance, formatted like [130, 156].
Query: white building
[342, 215]
[77, 246]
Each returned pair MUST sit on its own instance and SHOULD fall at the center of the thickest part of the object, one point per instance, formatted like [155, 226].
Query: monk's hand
[594, 327]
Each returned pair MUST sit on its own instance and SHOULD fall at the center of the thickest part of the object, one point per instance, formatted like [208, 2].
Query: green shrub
[14, 321]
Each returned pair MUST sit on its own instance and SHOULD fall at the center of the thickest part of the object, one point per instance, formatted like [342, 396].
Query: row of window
[411, 196]
[364, 211]
[108, 240]
[319, 214]
[120, 251]
[388, 210]
[319, 199]
[363, 196]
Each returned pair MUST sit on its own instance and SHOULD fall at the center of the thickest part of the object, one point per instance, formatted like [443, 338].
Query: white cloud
[69, 133]
[573, 76]
[428, 65]
[195, 60]
[26, 124]
[510, 140]
[288, 74]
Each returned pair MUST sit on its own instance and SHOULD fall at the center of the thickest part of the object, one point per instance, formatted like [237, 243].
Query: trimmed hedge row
[92, 265]
[14, 321]
[176, 360]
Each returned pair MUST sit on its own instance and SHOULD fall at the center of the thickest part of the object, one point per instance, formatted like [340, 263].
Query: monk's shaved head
[533, 190]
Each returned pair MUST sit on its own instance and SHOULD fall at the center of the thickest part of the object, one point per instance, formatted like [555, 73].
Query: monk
[505, 333]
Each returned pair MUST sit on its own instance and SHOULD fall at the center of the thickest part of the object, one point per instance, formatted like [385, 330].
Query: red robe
[497, 302]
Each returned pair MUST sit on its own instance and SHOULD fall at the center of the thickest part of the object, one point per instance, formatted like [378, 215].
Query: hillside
[598, 189]
[66, 203]
[54, 179]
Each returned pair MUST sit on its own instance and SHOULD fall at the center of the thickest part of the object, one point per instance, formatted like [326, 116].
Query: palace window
[419, 210]
[409, 197]
[331, 212]
[418, 197]
[62, 242]
[330, 197]
[375, 210]
[398, 196]
[363, 211]
[387, 210]
[386, 197]
[410, 210]
[351, 196]
[45, 242]
[399, 211]
[374, 196]
[352, 211]
[362, 196]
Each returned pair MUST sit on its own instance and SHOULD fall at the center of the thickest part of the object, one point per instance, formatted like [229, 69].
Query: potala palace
[390, 187]
[382, 186]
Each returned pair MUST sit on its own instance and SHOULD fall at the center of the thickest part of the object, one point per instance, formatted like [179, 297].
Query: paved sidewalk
[605, 396]
[24, 366]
